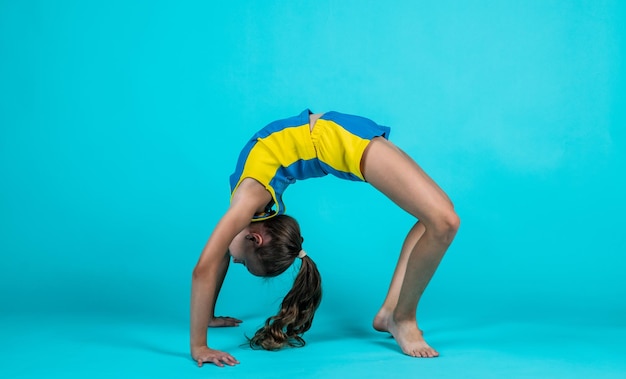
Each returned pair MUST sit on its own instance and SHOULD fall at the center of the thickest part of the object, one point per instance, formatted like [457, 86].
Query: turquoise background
[120, 122]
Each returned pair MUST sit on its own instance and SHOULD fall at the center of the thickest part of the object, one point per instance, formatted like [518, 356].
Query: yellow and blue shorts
[287, 150]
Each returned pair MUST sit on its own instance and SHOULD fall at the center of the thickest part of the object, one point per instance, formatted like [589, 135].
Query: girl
[256, 233]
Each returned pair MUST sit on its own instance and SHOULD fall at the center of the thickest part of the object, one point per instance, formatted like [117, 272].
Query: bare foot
[382, 319]
[410, 339]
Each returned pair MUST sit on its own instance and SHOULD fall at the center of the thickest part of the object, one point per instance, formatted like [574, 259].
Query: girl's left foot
[382, 320]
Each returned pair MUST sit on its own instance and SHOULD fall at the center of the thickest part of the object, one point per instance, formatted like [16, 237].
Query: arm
[211, 268]
[221, 320]
[205, 287]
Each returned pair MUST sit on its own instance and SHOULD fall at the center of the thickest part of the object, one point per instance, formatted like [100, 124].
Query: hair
[299, 305]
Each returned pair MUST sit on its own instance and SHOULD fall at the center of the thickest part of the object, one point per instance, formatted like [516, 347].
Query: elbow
[206, 268]
[199, 272]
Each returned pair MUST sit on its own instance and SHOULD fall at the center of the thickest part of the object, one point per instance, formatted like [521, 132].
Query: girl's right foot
[410, 339]
[381, 321]
[408, 336]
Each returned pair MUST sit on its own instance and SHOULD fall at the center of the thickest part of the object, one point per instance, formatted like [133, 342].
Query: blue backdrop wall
[121, 121]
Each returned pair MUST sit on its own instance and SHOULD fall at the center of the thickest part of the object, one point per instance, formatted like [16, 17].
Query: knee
[446, 226]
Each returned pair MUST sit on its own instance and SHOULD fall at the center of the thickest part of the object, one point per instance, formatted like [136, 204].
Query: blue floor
[114, 346]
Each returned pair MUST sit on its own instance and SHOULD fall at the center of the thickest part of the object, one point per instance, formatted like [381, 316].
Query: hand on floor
[205, 354]
[222, 321]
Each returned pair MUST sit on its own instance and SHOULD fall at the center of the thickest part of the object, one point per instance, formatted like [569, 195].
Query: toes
[415, 353]
[432, 353]
[422, 353]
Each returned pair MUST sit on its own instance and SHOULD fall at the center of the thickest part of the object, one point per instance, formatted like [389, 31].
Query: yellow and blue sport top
[287, 150]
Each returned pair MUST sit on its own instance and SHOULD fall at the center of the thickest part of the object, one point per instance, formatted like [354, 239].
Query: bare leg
[396, 175]
[386, 311]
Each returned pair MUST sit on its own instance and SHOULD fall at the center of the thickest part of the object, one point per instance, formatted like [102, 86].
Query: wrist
[195, 348]
[198, 343]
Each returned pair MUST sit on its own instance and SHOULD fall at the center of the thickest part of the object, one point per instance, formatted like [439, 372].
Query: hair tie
[302, 254]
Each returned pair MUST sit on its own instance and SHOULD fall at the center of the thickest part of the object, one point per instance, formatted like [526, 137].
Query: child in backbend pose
[256, 232]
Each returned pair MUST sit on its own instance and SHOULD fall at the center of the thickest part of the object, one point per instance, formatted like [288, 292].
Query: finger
[226, 322]
[231, 319]
[199, 362]
[231, 360]
[229, 323]
[217, 362]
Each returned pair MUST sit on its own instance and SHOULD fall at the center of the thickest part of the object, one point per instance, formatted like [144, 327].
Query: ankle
[402, 317]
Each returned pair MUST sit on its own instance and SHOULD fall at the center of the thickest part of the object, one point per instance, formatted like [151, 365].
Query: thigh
[396, 175]
[432, 182]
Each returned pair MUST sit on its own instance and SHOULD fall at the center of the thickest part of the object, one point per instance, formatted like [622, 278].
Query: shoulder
[250, 195]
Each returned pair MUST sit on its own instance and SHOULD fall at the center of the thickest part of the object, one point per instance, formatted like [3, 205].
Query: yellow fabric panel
[260, 166]
[278, 142]
[326, 135]
[270, 153]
